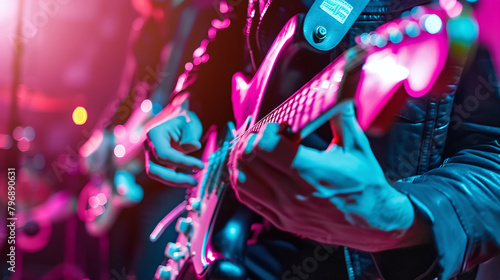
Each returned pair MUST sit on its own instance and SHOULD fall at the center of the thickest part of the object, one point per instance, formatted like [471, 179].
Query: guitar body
[402, 58]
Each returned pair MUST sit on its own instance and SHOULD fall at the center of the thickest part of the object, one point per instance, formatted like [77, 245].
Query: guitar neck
[314, 103]
[414, 63]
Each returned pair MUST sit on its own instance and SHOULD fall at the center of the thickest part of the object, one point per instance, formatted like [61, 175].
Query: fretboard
[309, 103]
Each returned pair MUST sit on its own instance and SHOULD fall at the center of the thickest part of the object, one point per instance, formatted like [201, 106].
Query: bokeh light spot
[120, 131]
[29, 132]
[134, 137]
[146, 105]
[119, 151]
[18, 133]
[101, 199]
[23, 145]
[80, 115]
[433, 24]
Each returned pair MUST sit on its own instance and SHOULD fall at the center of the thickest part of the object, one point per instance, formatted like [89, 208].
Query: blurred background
[73, 54]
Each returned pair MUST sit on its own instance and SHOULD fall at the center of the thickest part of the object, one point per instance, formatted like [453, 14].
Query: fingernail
[193, 183]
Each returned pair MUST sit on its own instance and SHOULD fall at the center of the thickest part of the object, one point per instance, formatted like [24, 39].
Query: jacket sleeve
[461, 198]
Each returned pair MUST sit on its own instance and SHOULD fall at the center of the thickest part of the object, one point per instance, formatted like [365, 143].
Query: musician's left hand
[338, 196]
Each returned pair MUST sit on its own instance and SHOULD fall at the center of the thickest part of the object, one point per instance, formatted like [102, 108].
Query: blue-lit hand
[167, 145]
[338, 196]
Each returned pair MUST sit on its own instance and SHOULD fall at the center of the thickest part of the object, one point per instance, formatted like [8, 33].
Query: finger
[269, 184]
[159, 143]
[348, 133]
[191, 134]
[250, 143]
[176, 158]
[269, 137]
[190, 146]
[275, 150]
[169, 176]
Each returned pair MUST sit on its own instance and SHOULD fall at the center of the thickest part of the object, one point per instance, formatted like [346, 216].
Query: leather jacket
[444, 153]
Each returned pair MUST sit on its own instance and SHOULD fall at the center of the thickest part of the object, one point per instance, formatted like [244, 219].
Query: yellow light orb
[79, 115]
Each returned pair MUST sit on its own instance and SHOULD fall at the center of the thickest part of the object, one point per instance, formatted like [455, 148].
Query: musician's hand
[167, 145]
[338, 196]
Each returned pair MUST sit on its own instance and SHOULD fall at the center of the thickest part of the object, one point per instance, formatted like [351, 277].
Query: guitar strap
[327, 21]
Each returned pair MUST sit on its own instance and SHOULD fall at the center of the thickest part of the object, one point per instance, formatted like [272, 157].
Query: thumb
[191, 134]
[348, 133]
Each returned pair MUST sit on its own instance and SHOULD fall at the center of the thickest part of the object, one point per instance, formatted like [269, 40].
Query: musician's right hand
[167, 145]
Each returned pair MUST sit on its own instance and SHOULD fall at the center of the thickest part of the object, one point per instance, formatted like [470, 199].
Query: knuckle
[161, 154]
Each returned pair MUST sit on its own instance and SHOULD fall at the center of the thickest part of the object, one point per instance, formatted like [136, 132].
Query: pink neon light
[120, 131]
[180, 82]
[486, 14]
[447, 4]
[92, 144]
[93, 202]
[18, 133]
[210, 256]
[221, 24]
[134, 137]
[101, 198]
[223, 7]
[456, 10]
[5, 141]
[122, 189]
[119, 151]
[146, 105]
[201, 49]
[98, 210]
[247, 102]
[212, 32]
[29, 243]
[24, 144]
[205, 58]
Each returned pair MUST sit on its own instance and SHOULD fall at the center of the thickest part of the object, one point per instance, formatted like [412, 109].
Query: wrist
[417, 233]
[396, 224]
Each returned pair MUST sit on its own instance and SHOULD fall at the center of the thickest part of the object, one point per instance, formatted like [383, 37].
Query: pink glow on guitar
[249, 95]
[488, 20]
[415, 65]
[418, 62]
[56, 209]
[92, 144]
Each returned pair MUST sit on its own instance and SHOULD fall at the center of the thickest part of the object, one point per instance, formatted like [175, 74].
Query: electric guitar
[421, 54]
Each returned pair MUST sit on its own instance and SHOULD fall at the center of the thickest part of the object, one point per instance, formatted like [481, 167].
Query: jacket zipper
[348, 264]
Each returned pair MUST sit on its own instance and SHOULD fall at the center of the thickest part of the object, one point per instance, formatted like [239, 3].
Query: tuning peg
[184, 225]
[163, 272]
[194, 205]
[175, 251]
